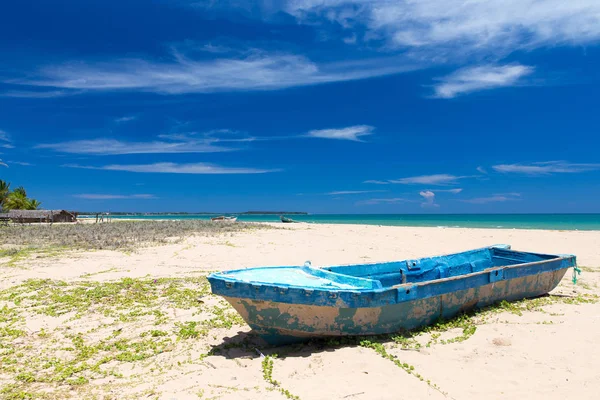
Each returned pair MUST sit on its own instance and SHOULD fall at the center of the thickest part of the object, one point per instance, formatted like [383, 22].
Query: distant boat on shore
[296, 303]
[223, 218]
[287, 220]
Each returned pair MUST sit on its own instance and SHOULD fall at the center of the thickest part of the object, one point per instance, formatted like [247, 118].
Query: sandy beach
[192, 345]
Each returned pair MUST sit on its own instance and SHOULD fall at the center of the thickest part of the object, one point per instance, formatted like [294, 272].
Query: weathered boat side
[280, 323]
[285, 304]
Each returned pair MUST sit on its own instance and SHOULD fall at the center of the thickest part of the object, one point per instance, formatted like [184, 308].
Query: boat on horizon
[223, 218]
[289, 304]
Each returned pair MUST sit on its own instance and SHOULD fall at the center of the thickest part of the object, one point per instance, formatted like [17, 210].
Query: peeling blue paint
[283, 303]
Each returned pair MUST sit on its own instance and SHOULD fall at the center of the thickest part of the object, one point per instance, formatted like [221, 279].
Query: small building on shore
[29, 216]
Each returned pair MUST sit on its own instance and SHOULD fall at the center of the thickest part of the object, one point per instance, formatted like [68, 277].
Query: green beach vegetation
[16, 199]
[117, 235]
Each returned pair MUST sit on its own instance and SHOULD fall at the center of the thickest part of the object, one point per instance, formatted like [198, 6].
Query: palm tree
[20, 191]
[16, 200]
[4, 190]
[33, 204]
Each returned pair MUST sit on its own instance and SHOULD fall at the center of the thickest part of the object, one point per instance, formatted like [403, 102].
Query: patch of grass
[267, 368]
[125, 299]
[66, 358]
[187, 330]
[16, 392]
[9, 317]
[379, 348]
[106, 271]
[588, 269]
[18, 255]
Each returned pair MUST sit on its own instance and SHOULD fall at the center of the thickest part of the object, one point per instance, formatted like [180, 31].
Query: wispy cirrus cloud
[453, 191]
[170, 143]
[125, 119]
[34, 94]
[353, 133]
[496, 198]
[22, 163]
[376, 182]
[114, 196]
[5, 140]
[393, 200]
[174, 168]
[546, 168]
[481, 170]
[436, 179]
[473, 79]
[114, 147]
[250, 71]
[350, 192]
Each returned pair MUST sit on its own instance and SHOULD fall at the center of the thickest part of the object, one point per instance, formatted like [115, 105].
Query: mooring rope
[575, 272]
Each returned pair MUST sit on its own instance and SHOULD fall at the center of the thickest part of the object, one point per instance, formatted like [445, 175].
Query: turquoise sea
[506, 221]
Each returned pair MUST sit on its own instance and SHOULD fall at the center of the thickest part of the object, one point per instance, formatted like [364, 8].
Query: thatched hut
[28, 216]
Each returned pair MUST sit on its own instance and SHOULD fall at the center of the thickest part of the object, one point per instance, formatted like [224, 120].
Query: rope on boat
[575, 272]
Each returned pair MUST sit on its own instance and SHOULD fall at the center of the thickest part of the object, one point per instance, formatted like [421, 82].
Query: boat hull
[281, 323]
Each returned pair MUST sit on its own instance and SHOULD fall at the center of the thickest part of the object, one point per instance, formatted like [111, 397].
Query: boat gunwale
[399, 286]
[359, 298]
[223, 275]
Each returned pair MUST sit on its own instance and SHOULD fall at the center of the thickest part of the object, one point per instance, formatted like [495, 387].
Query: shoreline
[279, 224]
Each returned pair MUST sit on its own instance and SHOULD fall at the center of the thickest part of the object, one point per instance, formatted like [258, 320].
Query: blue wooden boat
[295, 303]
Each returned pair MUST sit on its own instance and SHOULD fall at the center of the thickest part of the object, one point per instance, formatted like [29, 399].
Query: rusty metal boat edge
[295, 303]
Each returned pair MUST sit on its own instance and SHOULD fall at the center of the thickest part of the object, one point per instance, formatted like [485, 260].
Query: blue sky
[327, 106]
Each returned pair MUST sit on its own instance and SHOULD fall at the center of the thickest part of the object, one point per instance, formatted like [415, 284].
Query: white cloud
[257, 71]
[125, 119]
[113, 147]
[437, 179]
[481, 170]
[473, 79]
[496, 198]
[458, 26]
[4, 137]
[453, 191]
[510, 194]
[429, 197]
[48, 94]
[173, 168]
[345, 192]
[376, 182]
[25, 164]
[394, 200]
[353, 133]
[114, 196]
[546, 168]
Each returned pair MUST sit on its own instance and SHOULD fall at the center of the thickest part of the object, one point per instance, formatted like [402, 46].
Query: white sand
[540, 355]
